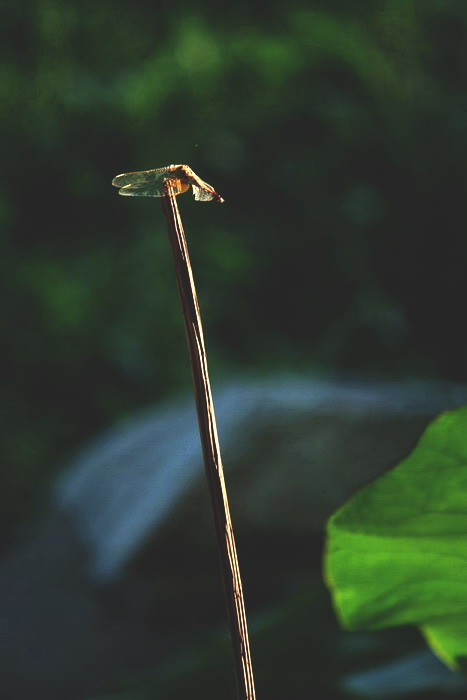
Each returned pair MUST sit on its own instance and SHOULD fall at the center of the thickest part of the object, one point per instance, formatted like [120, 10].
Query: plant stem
[211, 450]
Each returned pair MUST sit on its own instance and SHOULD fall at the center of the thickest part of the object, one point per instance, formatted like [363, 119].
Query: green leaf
[396, 552]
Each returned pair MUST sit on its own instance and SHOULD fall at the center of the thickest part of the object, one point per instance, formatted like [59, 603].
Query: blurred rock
[413, 675]
[123, 569]
[294, 449]
[59, 636]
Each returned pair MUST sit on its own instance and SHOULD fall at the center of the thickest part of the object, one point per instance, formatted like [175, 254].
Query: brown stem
[211, 451]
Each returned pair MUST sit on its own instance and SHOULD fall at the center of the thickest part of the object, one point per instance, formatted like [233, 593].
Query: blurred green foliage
[336, 132]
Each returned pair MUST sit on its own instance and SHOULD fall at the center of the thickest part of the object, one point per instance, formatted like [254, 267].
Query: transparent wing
[154, 189]
[141, 190]
[155, 176]
[201, 195]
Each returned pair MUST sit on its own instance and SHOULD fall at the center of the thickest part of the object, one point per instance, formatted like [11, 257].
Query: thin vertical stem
[211, 451]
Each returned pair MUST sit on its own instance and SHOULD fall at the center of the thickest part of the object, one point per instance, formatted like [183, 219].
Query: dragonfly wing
[178, 186]
[201, 195]
[143, 189]
[138, 178]
[154, 189]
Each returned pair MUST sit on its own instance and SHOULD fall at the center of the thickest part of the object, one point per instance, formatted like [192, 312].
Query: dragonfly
[159, 182]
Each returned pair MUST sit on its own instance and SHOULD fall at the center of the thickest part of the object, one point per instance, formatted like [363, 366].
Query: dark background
[335, 130]
[337, 133]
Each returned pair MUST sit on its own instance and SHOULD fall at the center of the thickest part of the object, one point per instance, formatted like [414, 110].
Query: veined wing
[154, 189]
[202, 195]
[155, 176]
[202, 191]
